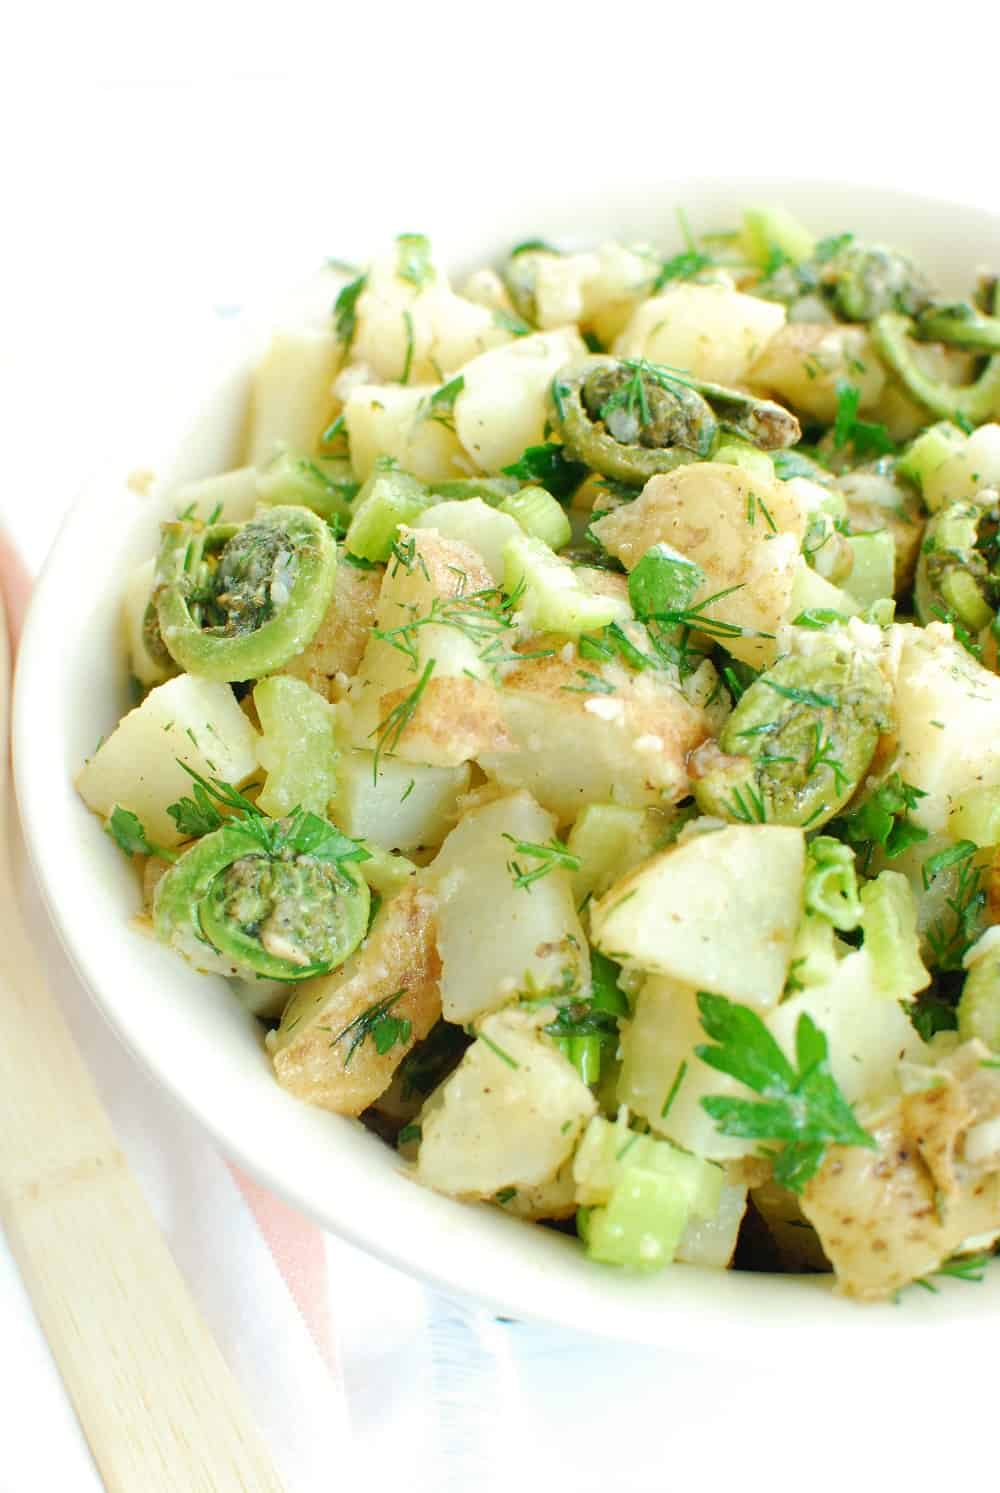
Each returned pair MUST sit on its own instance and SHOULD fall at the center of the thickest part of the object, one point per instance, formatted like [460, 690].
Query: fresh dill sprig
[345, 313]
[547, 857]
[477, 616]
[440, 406]
[376, 1022]
[749, 810]
[822, 756]
[389, 731]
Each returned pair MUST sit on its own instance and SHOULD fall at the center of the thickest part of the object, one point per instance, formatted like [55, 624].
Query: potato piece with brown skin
[311, 1049]
[456, 714]
[553, 1199]
[805, 361]
[569, 747]
[334, 656]
[705, 512]
[890, 1216]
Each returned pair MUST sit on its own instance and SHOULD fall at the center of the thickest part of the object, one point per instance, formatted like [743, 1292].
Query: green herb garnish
[802, 1106]
[554, 853]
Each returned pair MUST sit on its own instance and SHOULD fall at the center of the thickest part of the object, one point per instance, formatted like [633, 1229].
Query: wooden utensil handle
[156, 1400]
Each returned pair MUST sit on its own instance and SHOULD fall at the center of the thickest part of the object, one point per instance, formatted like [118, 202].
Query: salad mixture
[575, 733]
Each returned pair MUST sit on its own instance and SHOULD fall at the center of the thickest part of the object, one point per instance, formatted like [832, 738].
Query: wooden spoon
[155, 1398]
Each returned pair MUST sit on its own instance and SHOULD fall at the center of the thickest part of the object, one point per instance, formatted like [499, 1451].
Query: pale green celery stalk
[831, 886]
[889, 922]
[872, 576]
[539, 515]
[389, 498]
[551, 594]
[324, 484]
[297, 749]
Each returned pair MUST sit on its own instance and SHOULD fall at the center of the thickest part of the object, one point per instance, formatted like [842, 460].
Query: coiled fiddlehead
[237, 601]
[278, 898]
[629, 419]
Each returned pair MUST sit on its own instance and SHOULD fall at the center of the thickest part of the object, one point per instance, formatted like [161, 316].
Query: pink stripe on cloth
[300, 1255]
[295, 1243]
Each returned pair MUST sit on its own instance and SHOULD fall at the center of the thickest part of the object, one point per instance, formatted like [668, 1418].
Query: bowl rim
[683, 1308]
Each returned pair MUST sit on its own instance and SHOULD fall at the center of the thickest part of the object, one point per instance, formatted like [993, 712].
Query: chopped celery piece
[326, 485]
[491, 490]
[640, 1225]
[976, 817]
[384, 872]
[741, 454]
[772, 233]
[979, 1004]
[931, 449]
[831, 889]
[872, 575]
[389, 498]
[607, 1150]
[539, 515]
[811, 592]
[608, 840]
[814, 954]
[889, 921]
[298, 749]
[584, 1053]
[963, 598]
[552, 595]
[639, 1193]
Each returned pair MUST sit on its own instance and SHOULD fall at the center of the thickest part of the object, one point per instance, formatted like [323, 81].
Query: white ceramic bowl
[189, 1030]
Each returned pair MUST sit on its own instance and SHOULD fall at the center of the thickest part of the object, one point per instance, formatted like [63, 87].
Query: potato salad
[574, 732]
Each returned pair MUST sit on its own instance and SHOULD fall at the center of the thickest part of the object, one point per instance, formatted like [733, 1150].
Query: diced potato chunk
[195, 720]
[416, 333]
[623, 278]
[712, 1241]
[572, 747]
[708, 330]
[503, 405]
[291, 400]
[509, 1116]
[598, 289]
[718, 911]
[495, 938]
[608, 840]
[457, 711]
[890, 1216]
[555, 1198]
[390, 420]
[867, 1034]
[330, 661]
[805, 362]
[705, 512]
[323, 1052]
[948, 710]
[408, 806]
[658, 1046]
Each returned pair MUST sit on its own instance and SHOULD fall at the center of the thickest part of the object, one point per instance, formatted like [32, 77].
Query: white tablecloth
[166, 164]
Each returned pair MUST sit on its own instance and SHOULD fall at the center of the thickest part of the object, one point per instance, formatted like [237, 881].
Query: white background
[161, 162]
